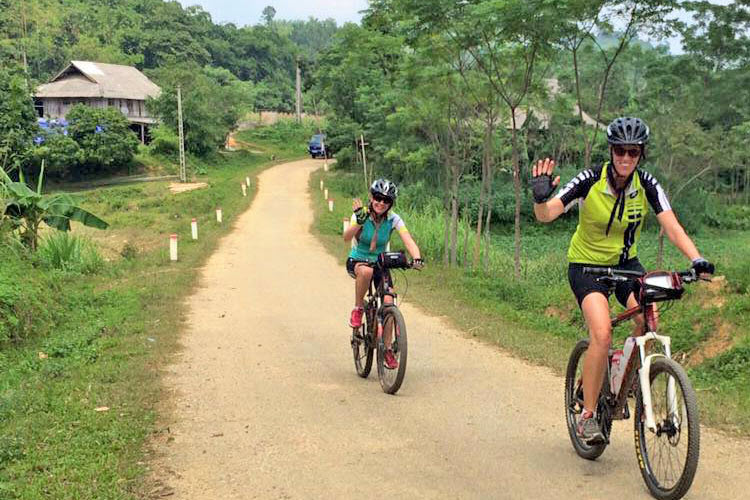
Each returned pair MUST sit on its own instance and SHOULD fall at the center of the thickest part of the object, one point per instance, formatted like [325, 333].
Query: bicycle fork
[645, 379]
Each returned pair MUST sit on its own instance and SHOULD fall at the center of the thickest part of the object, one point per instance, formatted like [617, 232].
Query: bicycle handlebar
[621, 275]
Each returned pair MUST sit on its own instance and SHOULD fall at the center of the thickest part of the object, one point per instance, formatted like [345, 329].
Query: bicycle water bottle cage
[393, 260]
[659, 286]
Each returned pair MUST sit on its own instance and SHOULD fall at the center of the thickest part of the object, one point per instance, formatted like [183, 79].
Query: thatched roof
[99, 80]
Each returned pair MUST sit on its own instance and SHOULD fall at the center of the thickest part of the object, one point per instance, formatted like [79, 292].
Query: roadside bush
[287, 131]
[725, 216]
[91, 140]
[26, 298]
[60, 153]
[164, 141]
[104, 136]
[70, 253]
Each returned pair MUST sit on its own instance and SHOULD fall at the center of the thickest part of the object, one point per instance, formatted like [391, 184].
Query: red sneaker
[355, 321]
[390, 359]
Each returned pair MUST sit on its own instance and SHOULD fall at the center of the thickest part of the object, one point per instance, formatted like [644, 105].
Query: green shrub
[286, 131]
[164, 141]
[60, 153]
[104, 136]
[70, 253]
[729, 367]
[27, 298]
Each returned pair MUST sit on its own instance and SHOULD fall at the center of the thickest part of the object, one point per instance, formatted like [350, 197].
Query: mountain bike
[667, 430]
[383, 327]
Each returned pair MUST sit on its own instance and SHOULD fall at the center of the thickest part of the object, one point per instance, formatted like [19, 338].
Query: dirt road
[267, 403]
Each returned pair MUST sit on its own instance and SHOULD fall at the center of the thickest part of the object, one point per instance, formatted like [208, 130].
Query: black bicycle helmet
[627, 130]
[384, 187]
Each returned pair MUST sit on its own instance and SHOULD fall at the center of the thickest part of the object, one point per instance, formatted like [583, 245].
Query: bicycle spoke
[671, 451]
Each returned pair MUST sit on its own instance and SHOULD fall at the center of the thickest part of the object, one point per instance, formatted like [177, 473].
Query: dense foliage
[431, 85]
[17, 119]
[224, 70]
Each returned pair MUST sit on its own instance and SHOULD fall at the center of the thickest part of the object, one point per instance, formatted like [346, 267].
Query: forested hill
[46, 34]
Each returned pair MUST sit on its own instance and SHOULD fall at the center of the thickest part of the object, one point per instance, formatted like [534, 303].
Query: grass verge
[81, 354]
[537, 318]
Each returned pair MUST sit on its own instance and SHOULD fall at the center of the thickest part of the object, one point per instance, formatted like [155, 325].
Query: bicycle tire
[574, 404]
[363, 348]
[391, 380]
[645, 440]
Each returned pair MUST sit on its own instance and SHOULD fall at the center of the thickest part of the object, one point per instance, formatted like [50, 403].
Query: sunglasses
[631, 152]
[381, 198]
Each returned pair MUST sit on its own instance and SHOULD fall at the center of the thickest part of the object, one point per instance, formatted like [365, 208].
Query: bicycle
[666, 423]
[382, 327]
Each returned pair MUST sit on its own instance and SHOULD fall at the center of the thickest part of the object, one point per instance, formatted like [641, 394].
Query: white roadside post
[321, 184]
[244, 189]
[194, 228]
[218, 215]
[247, 181]
[347, 224]
[330, 205]
[325, 157]
[173, 247]
[325, 193]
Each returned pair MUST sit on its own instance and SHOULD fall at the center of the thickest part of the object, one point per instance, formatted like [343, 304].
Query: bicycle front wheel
[394, 334]
[668, 457]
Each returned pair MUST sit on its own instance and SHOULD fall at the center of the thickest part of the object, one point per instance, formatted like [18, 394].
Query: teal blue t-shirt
[361, 250]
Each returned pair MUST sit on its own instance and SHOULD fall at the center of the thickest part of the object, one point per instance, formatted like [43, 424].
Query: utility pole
[362, 143]
[183, 170]
[299, 93]
[23, 40]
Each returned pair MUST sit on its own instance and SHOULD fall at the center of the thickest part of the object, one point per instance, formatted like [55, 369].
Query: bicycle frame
[643, 368]
[379, 293]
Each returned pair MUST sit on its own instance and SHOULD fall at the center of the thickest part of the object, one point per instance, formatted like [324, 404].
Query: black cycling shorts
[583, 284]
[351, 263]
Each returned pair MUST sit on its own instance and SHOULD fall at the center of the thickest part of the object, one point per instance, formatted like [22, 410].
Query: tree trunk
[517, 191]
[487, 239]
[486, 160]
[660, 251]
[454, 213]
[467, 224]
[447, 214]
[579, 100]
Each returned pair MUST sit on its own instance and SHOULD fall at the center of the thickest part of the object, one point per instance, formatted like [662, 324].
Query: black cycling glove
[702, 266]
[542, 188]
[361, 215]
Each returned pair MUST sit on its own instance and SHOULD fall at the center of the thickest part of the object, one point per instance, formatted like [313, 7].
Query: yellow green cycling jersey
[592, 243]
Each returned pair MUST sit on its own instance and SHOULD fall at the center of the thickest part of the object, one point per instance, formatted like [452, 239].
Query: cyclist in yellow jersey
[612, 203]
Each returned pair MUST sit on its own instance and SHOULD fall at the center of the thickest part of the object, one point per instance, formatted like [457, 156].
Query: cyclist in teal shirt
[372, 228]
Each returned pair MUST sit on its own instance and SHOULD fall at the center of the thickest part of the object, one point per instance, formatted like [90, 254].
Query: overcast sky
[342, 11]
[249, 12]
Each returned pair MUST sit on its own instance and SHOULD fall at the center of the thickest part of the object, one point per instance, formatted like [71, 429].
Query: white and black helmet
[384, 187]
[627, 130]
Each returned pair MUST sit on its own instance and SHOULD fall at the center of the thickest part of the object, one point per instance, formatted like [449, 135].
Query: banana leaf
[60, 209]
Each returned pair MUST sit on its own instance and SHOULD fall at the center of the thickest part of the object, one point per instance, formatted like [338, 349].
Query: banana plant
[27, 209]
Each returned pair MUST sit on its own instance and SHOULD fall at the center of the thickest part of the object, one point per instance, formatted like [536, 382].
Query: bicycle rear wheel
[363, 345]
[668, 458]
[393, 323]
[574, 404]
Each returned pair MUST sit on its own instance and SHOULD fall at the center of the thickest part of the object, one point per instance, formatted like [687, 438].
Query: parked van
[317, 146]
